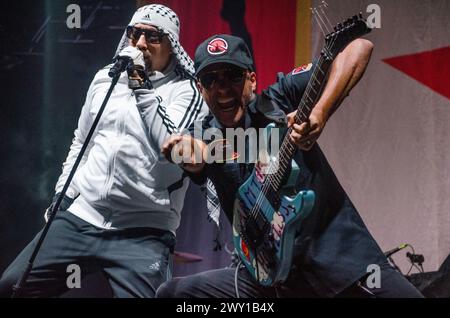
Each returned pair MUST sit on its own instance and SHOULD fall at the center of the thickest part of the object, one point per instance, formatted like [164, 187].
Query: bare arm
[346, 70]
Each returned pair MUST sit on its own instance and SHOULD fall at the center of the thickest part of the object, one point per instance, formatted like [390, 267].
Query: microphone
[120, 65]
[395, 250]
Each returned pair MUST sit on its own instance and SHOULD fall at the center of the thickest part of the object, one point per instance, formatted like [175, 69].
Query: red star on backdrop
[430, 68]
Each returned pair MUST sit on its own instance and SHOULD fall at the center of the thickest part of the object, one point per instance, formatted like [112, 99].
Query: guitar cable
[236, 280]
[360, 285]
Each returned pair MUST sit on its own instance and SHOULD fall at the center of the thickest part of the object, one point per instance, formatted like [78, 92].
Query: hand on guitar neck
[306, 134]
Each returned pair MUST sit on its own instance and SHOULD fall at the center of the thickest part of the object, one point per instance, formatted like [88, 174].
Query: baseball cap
[223, 48]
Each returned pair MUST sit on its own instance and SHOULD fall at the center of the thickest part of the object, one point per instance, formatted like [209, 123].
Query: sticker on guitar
[262, 268]
[277, 226]
[261, 171]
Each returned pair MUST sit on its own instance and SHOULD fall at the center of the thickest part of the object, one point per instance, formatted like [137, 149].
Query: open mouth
[227, 105]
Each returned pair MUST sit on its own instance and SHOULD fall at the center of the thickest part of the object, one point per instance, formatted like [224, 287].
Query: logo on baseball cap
[217, 46]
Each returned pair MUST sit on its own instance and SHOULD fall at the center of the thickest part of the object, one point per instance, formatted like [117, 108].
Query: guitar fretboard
[288, 148]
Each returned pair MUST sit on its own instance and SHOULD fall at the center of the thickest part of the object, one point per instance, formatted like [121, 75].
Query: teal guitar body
[264, 237]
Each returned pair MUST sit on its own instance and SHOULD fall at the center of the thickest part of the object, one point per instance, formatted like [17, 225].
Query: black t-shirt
[335, 247]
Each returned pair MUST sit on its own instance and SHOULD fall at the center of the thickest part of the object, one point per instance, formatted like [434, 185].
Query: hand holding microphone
[133, 54]
[130, 59]
[137, 72]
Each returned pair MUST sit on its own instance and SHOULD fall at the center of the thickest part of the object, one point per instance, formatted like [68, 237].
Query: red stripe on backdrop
[431, 68]
[271, 25]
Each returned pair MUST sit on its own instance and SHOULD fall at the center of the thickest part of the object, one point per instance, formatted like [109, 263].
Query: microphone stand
[20, 283]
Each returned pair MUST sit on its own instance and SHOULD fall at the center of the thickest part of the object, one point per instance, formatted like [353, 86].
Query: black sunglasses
[233, 75]
[152, 36]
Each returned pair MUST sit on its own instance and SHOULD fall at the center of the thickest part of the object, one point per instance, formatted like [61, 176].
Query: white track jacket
[123, 181]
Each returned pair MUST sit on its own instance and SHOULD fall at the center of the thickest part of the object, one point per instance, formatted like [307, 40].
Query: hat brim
[226, 60]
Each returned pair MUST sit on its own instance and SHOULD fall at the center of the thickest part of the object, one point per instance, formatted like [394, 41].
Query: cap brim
[221, 60]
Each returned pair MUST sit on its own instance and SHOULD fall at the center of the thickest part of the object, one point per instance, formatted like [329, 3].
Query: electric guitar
[265, 223]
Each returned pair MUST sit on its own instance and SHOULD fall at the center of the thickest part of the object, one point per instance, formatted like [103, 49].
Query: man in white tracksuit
[124, 203]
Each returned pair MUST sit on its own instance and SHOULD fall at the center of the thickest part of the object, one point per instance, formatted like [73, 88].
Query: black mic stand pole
[19, 285]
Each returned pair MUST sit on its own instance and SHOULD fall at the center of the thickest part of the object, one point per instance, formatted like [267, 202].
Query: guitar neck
[343, 34]
[313, 90]
[309, 98]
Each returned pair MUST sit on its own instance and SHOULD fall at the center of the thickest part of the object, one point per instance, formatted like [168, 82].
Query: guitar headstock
[344, 33]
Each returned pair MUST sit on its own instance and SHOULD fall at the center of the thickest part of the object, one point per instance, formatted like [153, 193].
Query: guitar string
[289, 145]
[286, 144]
[286, 141]
[271, 178]
[302, 105]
